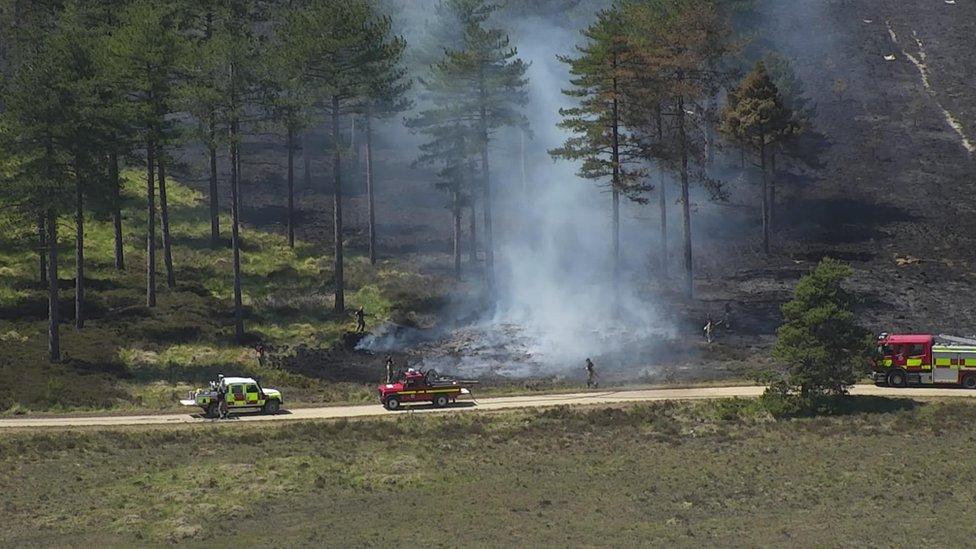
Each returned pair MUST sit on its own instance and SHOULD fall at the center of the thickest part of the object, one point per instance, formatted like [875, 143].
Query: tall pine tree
[602, 72]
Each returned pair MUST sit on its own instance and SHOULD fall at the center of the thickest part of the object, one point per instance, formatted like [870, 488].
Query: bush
[821, 349]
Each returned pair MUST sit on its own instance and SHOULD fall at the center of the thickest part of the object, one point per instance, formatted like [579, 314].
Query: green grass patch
[130, 356]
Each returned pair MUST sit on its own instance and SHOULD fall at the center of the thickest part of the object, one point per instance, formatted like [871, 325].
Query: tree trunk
[164, 214]
[151, 224]
[214, 199]
[765, 199]
[291, 187]
[772, 191]
[489, 239]
[340, 296]
[113, 166]
[685, 200]
[456, 208]
[53, 307]
[212, 149]
[615, 152]
[42, 249]
[79, 252]
[486, 181]
[473, 229]
[663, 199]
[522, 177]
[371, 199]
[307, 159]
[473, 218]
[663, 206]
[235, 239]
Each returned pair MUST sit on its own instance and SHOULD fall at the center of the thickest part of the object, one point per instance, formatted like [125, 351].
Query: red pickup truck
[417, 386]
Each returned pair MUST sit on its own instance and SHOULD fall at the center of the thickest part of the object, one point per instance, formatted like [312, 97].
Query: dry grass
[707, 473]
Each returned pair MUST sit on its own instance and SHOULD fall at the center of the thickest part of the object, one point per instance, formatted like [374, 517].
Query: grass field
[891, 472]
[133, 357]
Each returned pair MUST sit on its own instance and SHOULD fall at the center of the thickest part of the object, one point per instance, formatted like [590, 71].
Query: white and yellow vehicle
[244, 394]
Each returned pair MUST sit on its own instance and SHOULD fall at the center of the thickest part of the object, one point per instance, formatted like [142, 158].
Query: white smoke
[554, 247]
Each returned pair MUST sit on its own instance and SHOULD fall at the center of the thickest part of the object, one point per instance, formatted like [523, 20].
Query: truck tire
[211, 412]
[440, 401]
[392, 403]
[897, 378]
[969, 381]
[271, 407]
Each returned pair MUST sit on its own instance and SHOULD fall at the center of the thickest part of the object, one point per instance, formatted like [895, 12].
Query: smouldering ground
[658, 474]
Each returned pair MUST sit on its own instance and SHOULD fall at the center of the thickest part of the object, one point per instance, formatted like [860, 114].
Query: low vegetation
[132, 356]
[721, 472]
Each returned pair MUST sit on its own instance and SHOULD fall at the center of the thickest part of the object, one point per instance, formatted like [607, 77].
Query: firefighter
[591, 382]
[389, 369]
[361, 320]
[708, 329]
[262, 351]
[222, 396]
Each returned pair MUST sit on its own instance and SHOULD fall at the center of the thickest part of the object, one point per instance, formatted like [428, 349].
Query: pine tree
[450, 132]
[386, 90]
[238, 64]
[201, 94]
[288, 99]
[495, 78]
[684, 53]
[602, 73]
[144, 53]
[821, 347]
[339, 45]
[755, 115]
[36, 176]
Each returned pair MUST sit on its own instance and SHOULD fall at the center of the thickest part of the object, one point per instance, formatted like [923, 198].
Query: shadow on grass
[838, 406]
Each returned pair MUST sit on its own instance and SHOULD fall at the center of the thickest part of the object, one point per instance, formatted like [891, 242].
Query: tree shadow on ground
[850, 405]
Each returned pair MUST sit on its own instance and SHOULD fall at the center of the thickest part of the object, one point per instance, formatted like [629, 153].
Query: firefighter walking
[361, 320]
[389, 369]
[709, 330]
[591, 382]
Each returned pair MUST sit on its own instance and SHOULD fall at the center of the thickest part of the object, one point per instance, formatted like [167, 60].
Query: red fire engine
[416, 386]
[918, 359]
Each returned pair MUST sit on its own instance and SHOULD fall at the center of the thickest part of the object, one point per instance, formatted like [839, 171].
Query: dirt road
[499, 403]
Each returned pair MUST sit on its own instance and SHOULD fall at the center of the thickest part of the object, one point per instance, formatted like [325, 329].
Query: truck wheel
[271, 407]
[211, 411]
[392, 403]
[897, 379]
[440, 401]
[969, 381]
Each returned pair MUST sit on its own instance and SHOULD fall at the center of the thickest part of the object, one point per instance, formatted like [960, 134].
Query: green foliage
[132, 357]
[605, 79]
[756, 113]
[821, 347]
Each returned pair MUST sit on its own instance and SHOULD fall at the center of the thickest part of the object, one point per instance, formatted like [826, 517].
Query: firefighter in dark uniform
[591, 382]
[361, 320]
[389, 369]
[222, 397]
